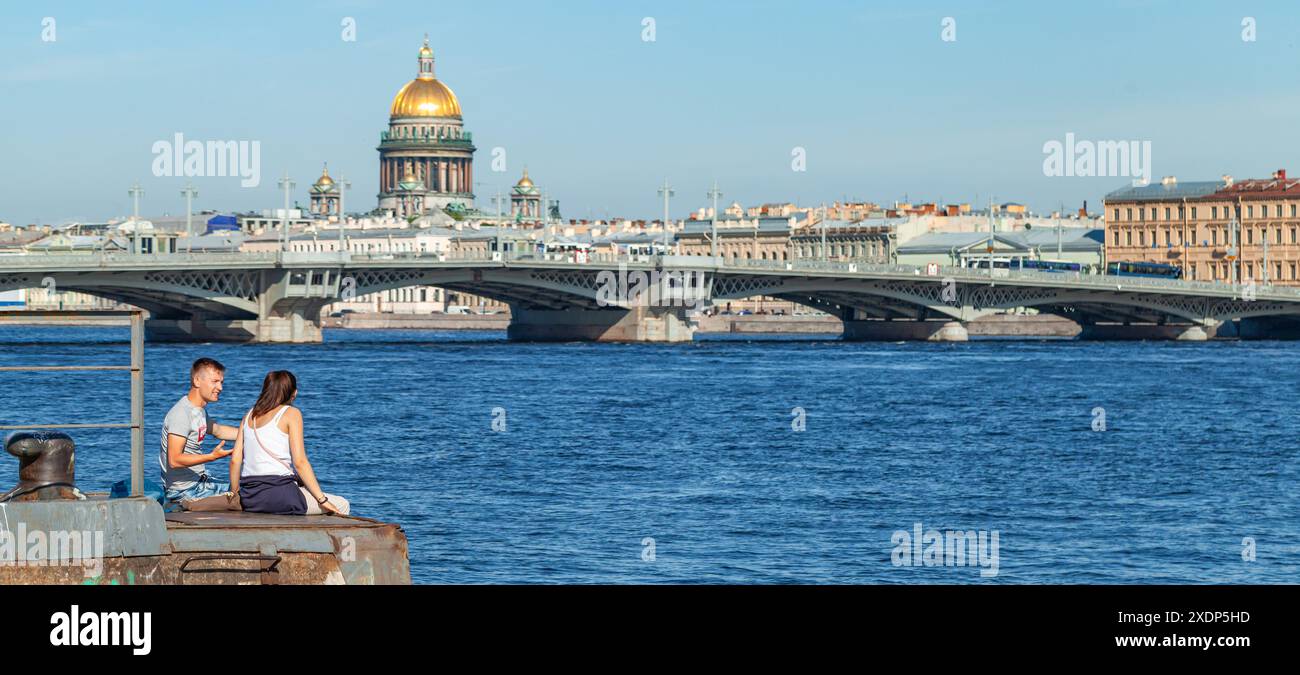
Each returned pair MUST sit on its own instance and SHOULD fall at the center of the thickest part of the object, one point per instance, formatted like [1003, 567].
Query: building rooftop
[1163, 191]
[1072, 239]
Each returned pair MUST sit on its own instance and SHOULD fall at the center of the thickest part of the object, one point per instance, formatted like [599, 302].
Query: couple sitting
[268, 464]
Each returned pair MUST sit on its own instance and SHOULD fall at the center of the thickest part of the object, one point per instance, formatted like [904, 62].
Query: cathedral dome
[425, 96]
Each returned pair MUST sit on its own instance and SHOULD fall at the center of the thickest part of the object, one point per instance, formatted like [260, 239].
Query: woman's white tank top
[258, 457]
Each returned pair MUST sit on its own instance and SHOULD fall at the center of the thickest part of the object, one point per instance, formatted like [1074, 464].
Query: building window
[1193, 213]
[1128, 237]
[1250, 211]
[1214, 213]
[1128, 215]
[1279, 210]
[1293, 210]
[1142, 238]
[1153, 213]
[1279, 234]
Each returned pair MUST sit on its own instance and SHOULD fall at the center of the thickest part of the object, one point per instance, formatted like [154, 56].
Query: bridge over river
[278, 297]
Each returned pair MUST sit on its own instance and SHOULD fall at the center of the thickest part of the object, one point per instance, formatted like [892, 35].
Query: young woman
[269, 467]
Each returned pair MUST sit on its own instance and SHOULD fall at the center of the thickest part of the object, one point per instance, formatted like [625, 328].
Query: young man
[186, 425]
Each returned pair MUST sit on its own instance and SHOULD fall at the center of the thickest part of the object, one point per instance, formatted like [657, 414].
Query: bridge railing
[31, 261]
[39, 261]
[968, 275]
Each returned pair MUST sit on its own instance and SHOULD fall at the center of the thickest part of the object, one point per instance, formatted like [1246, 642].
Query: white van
[457, 309]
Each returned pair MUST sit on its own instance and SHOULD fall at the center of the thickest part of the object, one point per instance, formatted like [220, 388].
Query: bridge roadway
[278, 297]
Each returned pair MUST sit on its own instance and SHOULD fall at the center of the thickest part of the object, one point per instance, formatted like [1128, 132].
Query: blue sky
[882, 105]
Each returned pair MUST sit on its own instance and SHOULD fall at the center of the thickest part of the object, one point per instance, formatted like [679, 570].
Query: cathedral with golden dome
[426, 158]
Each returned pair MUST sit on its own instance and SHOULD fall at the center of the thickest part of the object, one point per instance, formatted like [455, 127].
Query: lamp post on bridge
[136, 192]
[189, 193]
[713, 238]
[287, 185]
[990, 245]
[344, 185]
[666, 191]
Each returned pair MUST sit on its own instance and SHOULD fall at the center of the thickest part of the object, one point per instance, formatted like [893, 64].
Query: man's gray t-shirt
[192, 422]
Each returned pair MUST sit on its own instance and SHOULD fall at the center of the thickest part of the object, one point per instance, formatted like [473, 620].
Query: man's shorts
[205, 486]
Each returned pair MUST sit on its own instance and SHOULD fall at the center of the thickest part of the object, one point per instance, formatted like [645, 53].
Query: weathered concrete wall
[766, 323]
[291, 329]
[420, 321]
[605, 325]
[1147, 332]
[1022, 325]
[1004, 325]
[891, 331]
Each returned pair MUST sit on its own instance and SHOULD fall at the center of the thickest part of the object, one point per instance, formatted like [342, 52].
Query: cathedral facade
[426, 158]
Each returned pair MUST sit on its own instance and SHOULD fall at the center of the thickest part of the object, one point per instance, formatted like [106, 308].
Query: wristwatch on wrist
[322, 500]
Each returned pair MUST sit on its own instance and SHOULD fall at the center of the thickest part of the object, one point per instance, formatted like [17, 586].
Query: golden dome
[325, 179]
[425, 96]
[525, 181]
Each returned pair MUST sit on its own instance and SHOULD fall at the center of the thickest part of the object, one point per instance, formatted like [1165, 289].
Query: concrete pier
[896, 331]
[1267, 328]
[1181, 332]
[640, 324]
[293, 329]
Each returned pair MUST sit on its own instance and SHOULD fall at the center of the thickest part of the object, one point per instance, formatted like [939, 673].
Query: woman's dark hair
[278, 389]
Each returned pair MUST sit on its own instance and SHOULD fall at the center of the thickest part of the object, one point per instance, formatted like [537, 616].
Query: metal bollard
[46, 466]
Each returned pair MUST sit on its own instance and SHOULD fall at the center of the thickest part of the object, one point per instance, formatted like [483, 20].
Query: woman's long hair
[278, 388]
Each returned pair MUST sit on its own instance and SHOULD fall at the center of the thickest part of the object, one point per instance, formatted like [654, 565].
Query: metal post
[189, 193]
[666, 192]
[990, 246]
[137, 404]
[826, 255]
[1264, 278]
[1236, 249]
[344, 185]
[288, 185]
[136, 191]
[713, 240]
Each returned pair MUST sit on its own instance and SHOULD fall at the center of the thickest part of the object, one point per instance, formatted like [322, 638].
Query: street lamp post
[189, 193]
[287, 185]
[136, 192]
[344, 185]
[713, 239]
[666, 191]
[990, 246]
[826, 254]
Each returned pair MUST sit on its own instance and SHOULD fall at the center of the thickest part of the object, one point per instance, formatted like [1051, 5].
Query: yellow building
[1225, 230]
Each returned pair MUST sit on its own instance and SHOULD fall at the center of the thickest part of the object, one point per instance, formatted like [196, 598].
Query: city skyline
[715, 95]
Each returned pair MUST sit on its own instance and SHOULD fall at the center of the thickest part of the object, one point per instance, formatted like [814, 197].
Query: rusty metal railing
[136, 425]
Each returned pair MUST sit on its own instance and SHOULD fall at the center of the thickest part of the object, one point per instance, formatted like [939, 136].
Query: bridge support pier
[295, 329]
[1268, 328]
[639, 324]
[1115, 331]
[880, 330]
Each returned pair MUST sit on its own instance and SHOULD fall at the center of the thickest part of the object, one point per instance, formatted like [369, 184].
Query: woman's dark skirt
[272, 494]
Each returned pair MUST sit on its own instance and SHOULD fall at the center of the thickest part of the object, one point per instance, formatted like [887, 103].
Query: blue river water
[790, 460]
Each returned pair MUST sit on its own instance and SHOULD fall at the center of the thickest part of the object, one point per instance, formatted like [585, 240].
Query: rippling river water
[682, 463]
